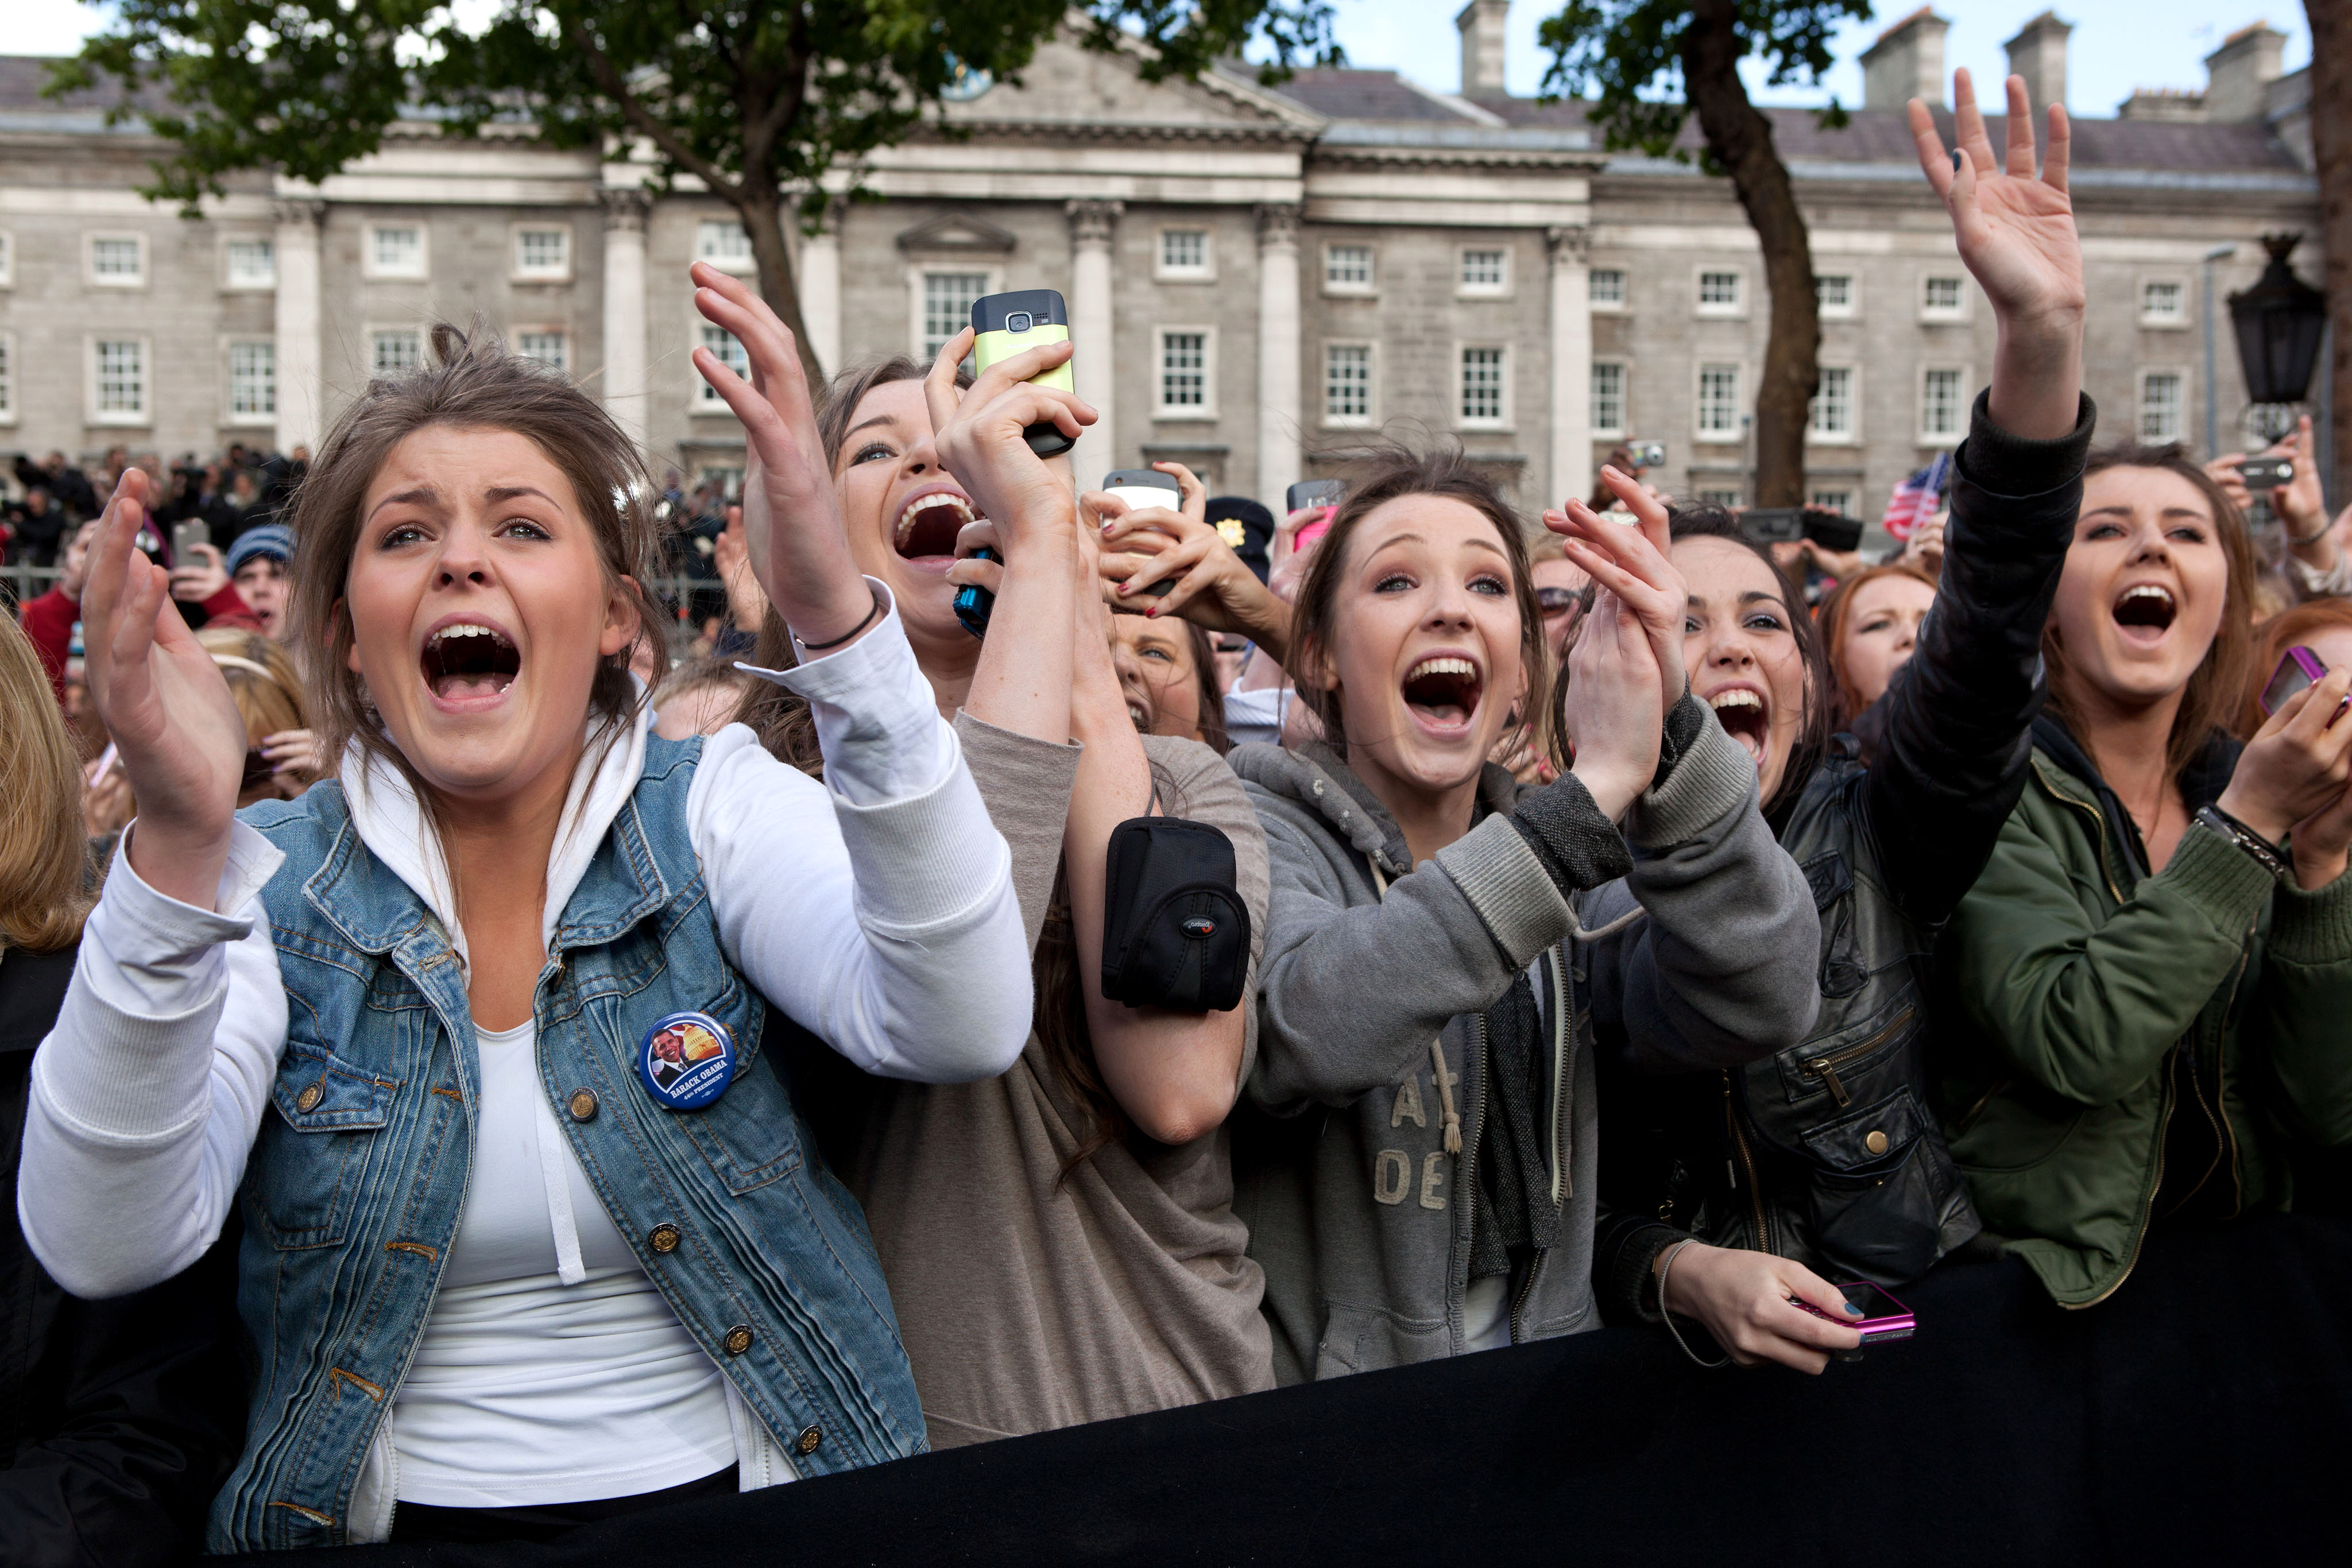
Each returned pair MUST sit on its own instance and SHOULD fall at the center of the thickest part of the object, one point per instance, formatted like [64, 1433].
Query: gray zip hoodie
[1372, 1040]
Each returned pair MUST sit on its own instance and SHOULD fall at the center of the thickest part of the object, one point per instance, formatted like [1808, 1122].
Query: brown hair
[1377, 476]
[2271, 639]
[470, 383]
[1211, 695]
[269, 702]
[1837, 610]
[45, 862]
[2217, 687]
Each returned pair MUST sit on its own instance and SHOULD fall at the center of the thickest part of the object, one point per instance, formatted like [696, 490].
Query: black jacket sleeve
[1959, 716]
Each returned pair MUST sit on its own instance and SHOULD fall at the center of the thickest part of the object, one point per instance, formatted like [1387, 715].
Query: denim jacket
[355, 1189]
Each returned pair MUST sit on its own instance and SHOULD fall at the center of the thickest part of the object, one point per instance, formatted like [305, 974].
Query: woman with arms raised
[499, 1269]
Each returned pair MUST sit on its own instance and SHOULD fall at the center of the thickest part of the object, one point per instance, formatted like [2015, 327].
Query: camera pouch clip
[1176, 934]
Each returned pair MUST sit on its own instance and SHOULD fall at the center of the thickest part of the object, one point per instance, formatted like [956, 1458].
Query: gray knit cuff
[1507, 883]
[1714, 776]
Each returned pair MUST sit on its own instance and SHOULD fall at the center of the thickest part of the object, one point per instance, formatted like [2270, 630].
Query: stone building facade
[1256, 278]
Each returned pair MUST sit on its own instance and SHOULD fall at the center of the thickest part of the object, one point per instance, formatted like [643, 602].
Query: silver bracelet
[1666, 1268]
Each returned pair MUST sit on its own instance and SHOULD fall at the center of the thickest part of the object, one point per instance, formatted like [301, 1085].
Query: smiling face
[1741, 653]
[1882, 628]
[1425, 649]
[1157, 674]
[2144, 587]
[902, 509]
[480, 610]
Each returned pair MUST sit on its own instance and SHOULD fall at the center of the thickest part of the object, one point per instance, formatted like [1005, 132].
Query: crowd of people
[562, 1068]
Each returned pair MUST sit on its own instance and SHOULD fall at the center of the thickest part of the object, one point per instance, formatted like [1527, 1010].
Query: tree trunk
[763, 213]
[2331, 149]
[1741, 139]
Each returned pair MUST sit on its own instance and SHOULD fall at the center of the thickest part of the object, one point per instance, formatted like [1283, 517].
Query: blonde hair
[262, 680]
[45, 890]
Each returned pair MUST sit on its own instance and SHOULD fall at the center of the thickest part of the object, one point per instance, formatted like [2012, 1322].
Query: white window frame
[1624, 398]
[1372, 283]
[372, 265]
[1204, 272]
[1730, 498]
[1838, 501]
[1958, 313]
[11, 372]
[1207, 408]
[7, 259]
[1935, 439]
[702, 399]
[1370, 416]
[916, 272]
[2176, 322]
[1616, 307]
[385, 329]
[1504, 369]
[233, 284]
[2140, 378]
[562, 336]
[1736, 308]
[1464, 289]
[1700, 434]
[521, 273]
[1852, 434]
[745, 264]
[144, 416]
[1850, 309]
[90, 260]
[229, 414]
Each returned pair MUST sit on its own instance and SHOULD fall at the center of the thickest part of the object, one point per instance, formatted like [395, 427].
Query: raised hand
[979, 435]
[2294, 774]
[2016, 236]
[194, 581]
[1635, 564]
[1613, 725]
[791, 522]
[177, 729]
[1213, 588]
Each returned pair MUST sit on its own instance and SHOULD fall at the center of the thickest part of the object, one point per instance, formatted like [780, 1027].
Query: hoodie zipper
[1746, 1167]
[1562, 1185]
[1825, 1067]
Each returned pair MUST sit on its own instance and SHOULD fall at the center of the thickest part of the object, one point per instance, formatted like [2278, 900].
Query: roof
[22, 77]
[1348, 94]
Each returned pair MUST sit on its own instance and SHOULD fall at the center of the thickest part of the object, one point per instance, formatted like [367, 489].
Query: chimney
[1480, 23]
[1906, 62]
[2165, 104]
[2038, 53]
[2237, 74]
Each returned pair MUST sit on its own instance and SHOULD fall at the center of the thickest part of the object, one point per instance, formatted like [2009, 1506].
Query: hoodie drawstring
[1445, 1079]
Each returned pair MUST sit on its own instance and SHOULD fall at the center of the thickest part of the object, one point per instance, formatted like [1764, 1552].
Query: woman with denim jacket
[498, 1276]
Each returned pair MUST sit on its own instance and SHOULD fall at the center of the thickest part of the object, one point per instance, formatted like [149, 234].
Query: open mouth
[1744, 717]
[928, 526]
[2145, 613]
[469, 659]
[1443, 691]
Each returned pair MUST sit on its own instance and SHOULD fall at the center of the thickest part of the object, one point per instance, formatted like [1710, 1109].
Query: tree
[757, 102]
[2331, 153]
[1629, 55]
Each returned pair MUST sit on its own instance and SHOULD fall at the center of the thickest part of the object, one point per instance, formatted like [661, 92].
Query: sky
[2117, 45]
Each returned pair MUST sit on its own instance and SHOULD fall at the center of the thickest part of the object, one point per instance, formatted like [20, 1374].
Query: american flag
[1917, 498]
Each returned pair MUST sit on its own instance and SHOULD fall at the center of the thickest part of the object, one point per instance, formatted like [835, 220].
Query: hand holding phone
[1883, 1317]
[1005, 324]
[2297, 668]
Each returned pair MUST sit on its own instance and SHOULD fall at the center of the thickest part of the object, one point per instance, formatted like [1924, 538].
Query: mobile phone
[2265, 474]
[2300, 667]
[1832, 531]
[1146, 487]
[1313, 493]
[185, 536]
[973, 605]
[1774, 525]
[1883, 1317]
[1006, 325]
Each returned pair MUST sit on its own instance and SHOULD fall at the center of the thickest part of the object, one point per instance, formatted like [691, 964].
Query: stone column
[1572, 364]
[1277, 352]
[820, 276]
[1094, 226]
[625, 393]
[301, 368]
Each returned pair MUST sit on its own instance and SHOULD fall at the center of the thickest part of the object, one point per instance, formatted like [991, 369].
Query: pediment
[957, 232]
[1067, 84]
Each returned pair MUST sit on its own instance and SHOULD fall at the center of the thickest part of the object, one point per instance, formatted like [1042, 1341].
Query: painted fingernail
[1956, 159]
[1152, 613]
[1852, 1311]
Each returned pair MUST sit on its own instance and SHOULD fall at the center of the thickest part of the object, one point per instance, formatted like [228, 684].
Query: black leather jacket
[1830, 1152]
[118, 1419]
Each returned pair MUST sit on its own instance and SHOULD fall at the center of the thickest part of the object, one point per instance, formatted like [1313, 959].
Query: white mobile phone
[1144, 488]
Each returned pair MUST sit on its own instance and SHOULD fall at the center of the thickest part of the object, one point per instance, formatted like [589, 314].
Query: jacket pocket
[1366, 1339]
[1881, 1180]
[313, 1150]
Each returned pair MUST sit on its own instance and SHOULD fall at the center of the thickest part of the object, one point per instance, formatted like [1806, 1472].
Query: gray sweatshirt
[1372, 993]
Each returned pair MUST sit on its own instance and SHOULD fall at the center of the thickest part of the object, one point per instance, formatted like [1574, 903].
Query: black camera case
[1176, 934]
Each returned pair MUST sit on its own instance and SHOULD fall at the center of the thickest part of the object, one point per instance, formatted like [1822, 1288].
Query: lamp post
[2212, 384]
[2279, 323]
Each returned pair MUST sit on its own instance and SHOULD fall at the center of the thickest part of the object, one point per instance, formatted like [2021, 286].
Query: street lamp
[2278, 322]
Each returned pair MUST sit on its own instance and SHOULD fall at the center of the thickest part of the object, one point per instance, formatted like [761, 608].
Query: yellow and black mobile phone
[1008, 323]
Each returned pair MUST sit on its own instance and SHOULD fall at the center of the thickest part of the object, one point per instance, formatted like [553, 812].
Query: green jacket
[2094, 1004]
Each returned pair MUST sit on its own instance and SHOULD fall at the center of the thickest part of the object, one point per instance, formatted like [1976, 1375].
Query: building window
[547, 348]
[1941, 299]
[1485, 271]
[1838, 501]
[1482, 386]
[1832, 405]
[7, 259]
[721, 342]
[7, 380]
[252, 382]
[1718, 402]
[118, 261]
[396, 351]
[1720, 497]
[396, 250]
[119, 381]
[1184, 372]
[947, 307]
[2163, 302]
[1940, 406]
[252, 264]
[1718, 293]
[1347, 268]
[1348, 383]
[1184, 253]
[2160, 406]
[1834, 293]
[724, 244]
[542, 253]
[1608, 287]
[1607, 398]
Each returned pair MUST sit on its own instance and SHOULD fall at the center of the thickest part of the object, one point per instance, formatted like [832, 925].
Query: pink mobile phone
[1883, 1317]
[2299, 667]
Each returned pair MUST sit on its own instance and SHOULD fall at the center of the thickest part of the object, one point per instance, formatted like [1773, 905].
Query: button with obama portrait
[687, 1061]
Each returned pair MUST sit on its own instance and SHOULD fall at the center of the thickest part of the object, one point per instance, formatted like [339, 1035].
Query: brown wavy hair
[44, 860]
[2271, 639]
[1838, 609]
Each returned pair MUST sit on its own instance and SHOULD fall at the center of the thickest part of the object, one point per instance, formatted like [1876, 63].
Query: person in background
[1870, 626]
[118, 1419]
[2316, 560]
[208, 598]
[2150, 982]
[1167, 667]
[257, 566]
[282, 754]
[36, 525]
[2322, 625]
[700, 697]
[48, 619]
[1244, 524]
[1559, 593]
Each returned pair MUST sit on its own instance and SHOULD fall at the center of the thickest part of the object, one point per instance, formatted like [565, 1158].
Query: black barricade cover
[2201, 1414]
